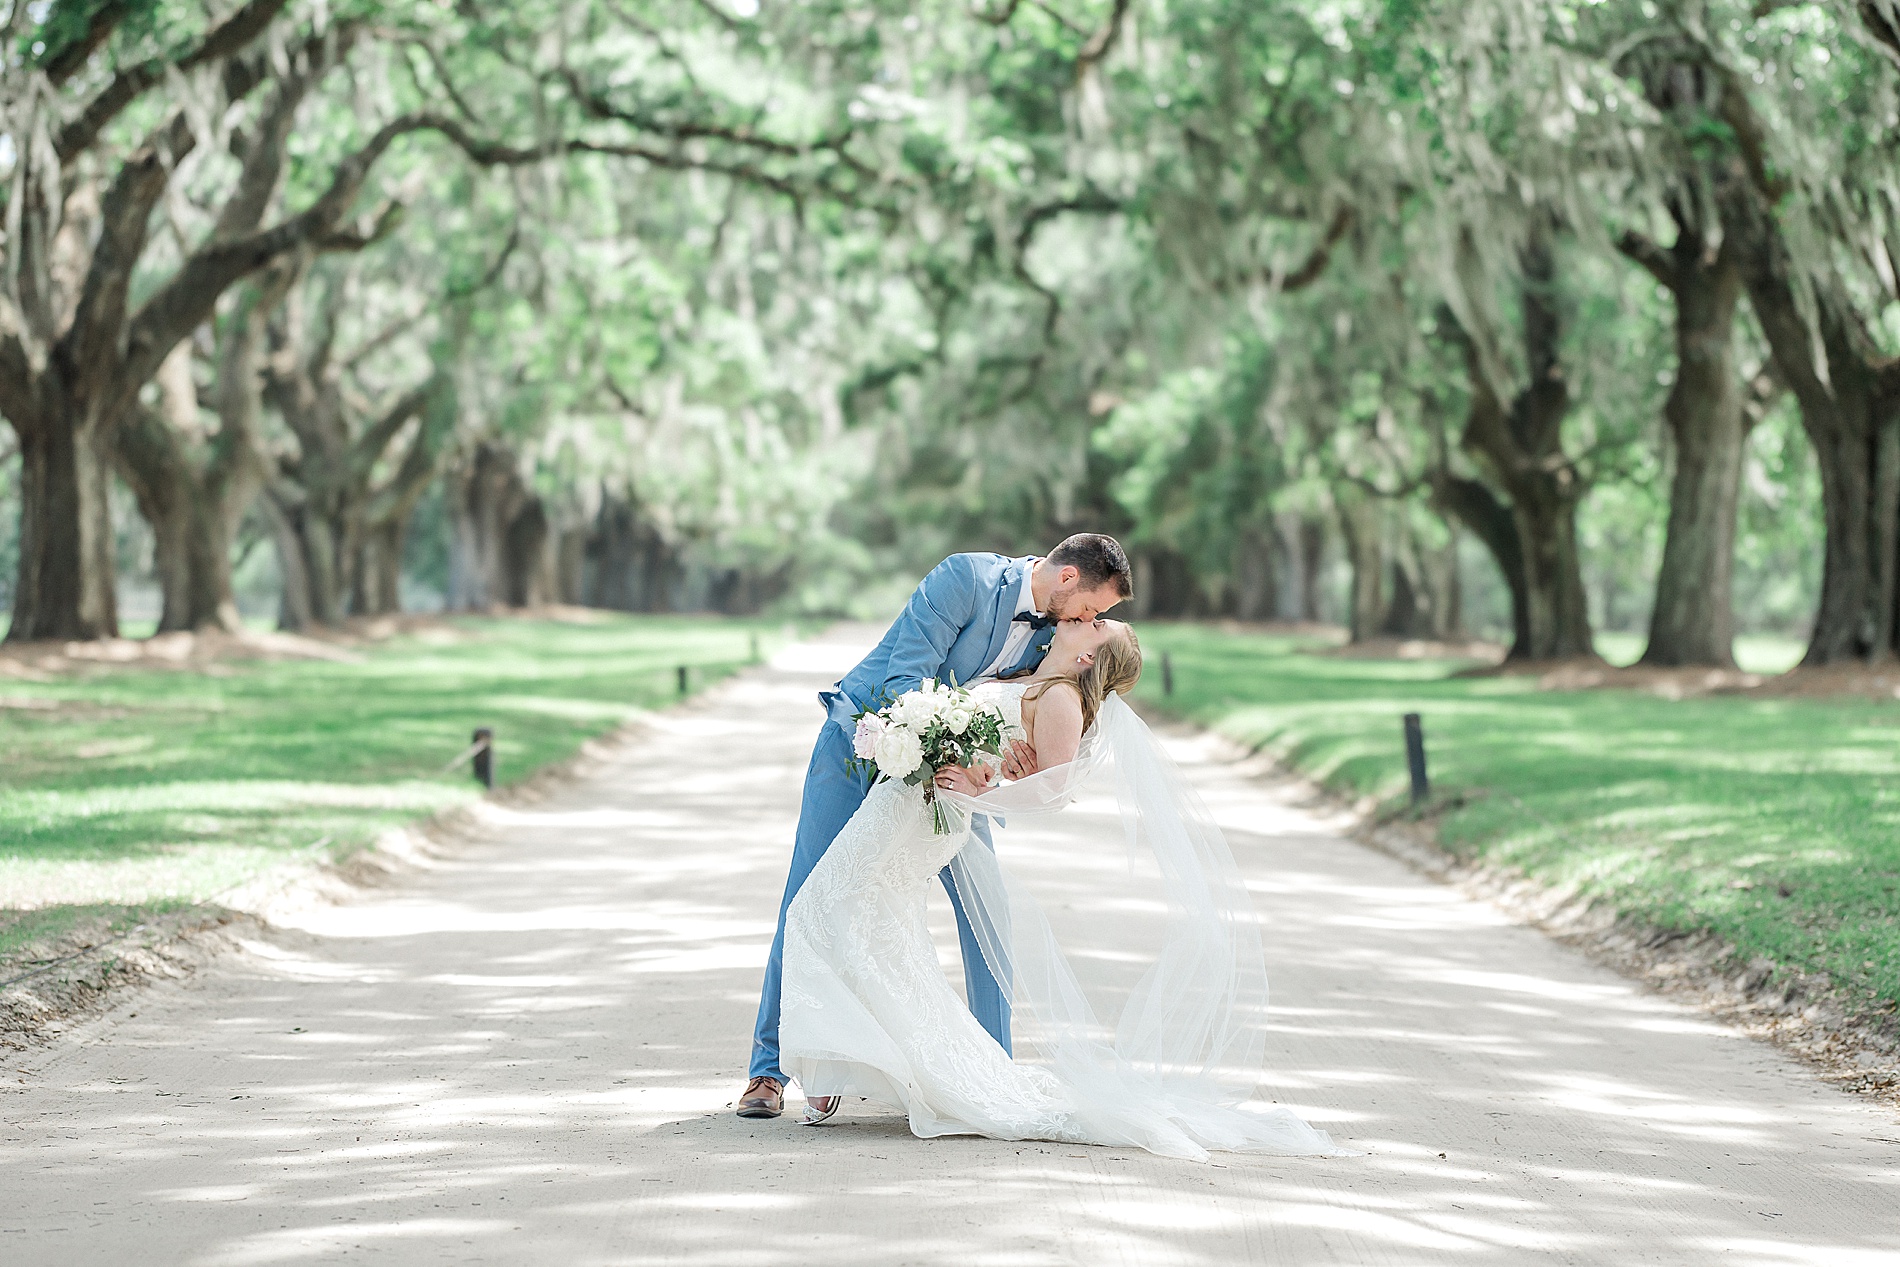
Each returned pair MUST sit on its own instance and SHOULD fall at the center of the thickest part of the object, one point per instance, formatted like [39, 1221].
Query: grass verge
[129, 791]
[1754, 653]
[1772, 823]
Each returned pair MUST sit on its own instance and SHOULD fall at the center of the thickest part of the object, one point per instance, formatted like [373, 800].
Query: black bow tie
[1033, 620]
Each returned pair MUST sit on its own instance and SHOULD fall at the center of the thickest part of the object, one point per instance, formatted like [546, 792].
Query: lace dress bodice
[1008, 697]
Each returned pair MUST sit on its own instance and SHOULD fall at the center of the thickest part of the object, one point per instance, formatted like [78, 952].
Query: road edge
[1804, 1015]
[38, 1012]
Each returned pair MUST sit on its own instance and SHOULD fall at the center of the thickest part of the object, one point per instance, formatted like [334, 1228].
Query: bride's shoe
[820, 1108]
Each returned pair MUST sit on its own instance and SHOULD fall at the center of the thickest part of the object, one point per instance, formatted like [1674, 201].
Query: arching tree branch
[223, 41]
[597, 106]
[1102, 43]
[1643, 250]
[1321, 255]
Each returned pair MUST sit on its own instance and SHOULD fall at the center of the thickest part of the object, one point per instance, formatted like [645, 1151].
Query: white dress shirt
[1019, 631]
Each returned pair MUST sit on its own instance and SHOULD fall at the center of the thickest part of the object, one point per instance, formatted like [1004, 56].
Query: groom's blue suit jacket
[952, 628]
[954, 625]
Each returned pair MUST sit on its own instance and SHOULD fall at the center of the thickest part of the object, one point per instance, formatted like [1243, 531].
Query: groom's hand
[1020, 761]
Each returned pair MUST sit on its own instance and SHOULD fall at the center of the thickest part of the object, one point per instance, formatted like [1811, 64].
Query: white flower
[958, 720]
[864, 742]
[918, 708]
[898, 752]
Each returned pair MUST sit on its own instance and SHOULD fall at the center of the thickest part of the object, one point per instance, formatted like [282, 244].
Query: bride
[1161, 1062]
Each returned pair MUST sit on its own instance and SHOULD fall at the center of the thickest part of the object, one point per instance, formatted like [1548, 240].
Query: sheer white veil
[1164, 1001]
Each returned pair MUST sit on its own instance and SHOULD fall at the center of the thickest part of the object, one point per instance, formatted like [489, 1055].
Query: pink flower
[864, 742]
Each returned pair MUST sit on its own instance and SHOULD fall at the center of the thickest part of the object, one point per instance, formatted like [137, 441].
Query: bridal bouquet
[923, 731]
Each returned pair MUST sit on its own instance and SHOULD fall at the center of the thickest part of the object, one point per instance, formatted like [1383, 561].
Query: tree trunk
[1693, 621]
[524, 555]
[376, 588]
[631, 566]
[1424, 592]
[1312, 555]
[1436, 581]
[570, 551]
[1519, 450]
[1851, 420]
[65, 586]
[1448, 613]
[313, 567]
[1558, 614]
[1412, 592]
[294, 609]
[326, 563]
[1474, 506]
[1409, 613]
[1361, 526]
[611, 552]
[1165, 584]
[497, 550]
[194, 521]
[1256, 587]
[1852, 417]
[1853, 430]
[194, 490]
[192, 533]
[469, 588]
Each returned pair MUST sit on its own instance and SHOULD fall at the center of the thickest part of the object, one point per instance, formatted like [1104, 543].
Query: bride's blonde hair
[1115, 669]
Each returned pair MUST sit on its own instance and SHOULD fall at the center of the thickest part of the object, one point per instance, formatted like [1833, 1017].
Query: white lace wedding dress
[867, 1010]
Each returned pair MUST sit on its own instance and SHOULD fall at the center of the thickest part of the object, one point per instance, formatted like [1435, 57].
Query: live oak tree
[1693, 618]
[1514, 433]
[339, 494]
[194, 485]
[1815, 250]
[811, 293]
[74, 351]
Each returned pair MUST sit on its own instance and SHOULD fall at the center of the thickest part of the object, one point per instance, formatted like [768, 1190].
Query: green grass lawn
[125, 790]
[1754, 653]
[1772, 822]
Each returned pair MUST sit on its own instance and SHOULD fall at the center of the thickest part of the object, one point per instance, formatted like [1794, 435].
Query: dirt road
[523, 1053]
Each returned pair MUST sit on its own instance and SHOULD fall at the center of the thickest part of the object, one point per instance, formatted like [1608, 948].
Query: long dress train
[867, 1010]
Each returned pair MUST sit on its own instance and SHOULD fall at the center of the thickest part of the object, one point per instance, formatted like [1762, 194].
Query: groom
[975, 617]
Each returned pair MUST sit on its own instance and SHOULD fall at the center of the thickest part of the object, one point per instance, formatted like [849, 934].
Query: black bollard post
[1415, 759]
[1167, 674]
[485, 756]
[682, 673]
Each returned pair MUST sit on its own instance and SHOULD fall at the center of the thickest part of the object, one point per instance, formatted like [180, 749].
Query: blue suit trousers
[834, 788]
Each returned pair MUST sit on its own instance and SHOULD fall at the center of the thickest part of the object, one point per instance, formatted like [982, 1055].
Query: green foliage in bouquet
[925, 730]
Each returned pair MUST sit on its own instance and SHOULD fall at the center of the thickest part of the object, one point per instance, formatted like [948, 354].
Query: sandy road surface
[524, 1053]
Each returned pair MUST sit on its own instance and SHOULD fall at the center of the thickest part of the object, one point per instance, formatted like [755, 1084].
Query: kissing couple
[1163, 1052]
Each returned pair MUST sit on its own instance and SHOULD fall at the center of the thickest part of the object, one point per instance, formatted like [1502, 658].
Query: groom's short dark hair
[1099, 558]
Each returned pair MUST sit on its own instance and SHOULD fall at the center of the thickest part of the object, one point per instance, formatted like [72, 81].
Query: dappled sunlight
[1780, 1253]
[1519, 983]
[528, 1051]
[1765, 821]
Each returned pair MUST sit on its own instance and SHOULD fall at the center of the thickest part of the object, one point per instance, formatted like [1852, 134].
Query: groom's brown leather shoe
[764, 1097]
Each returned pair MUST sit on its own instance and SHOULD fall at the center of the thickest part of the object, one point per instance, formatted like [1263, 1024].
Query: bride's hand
[970, 781]
[1021, 761]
